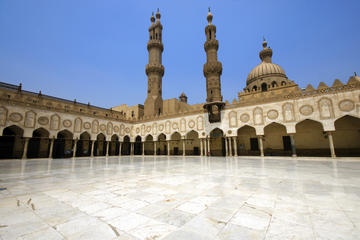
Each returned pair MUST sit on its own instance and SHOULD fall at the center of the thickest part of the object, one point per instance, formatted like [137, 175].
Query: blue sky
[95, 50]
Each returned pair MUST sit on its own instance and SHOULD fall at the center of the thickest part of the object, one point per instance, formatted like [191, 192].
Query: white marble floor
[180, 198]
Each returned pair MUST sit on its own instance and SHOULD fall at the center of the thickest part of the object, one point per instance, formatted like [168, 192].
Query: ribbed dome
[265, 69]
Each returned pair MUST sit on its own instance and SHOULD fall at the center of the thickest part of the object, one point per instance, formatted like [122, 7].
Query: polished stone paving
[180, 198]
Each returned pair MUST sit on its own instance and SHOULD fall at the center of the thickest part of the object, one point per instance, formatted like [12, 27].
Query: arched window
[283, 83]
[210, 34]
[255, 88]
[273, 84]
[156, 36]
[264, 87]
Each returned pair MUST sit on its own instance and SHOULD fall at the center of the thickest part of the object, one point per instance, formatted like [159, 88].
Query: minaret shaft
[212, 73]
[154, 69]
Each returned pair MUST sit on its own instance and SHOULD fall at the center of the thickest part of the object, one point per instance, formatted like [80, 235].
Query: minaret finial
[158, 14]
[152, 18]
[209, 17]
[209, 9]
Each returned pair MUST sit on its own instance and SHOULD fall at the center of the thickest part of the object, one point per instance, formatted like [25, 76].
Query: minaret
[212, 72]
[154, 70]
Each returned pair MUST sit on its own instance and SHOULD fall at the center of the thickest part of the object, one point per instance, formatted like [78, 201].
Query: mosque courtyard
[180, 198]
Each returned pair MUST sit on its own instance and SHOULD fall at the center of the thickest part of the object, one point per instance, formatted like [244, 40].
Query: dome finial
[209, 17]
[264, 43]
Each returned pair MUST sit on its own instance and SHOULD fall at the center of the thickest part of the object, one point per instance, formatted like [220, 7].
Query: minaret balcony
[155, 43]
[155, 68]
[212, 68]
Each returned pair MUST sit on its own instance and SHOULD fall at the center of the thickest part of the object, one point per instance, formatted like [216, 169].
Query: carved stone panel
[43, 120]
[272, 114]
[175, 126]
[161, 127]
[142, 129]
[109, 129]
[326, 108]
[102, 127]
[346, 105]
[3, 116]
[191, 124]
[167, 127]
[67, 123]
[30, 118]
[137, 130]
[306, 110]
[200, 123]
[154, 128]
[95, 126]
[244, 117]
[288, 112]
[182, 125]
[232, 119]
[87, 125]
[15, 117]
[78, 125]
[54, 122]
[258, 116]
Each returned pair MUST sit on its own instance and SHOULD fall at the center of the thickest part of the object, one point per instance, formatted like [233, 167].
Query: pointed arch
[192, 143]
[161, 146]
[114, 145]
[247, 141]
[125, 149]
[347, 136]
[84, 144]
[217, 142]
[276, 140]
[100, 145]
[175, 144]
[63, 145]
[149, 145]
[310, 139]
[11, 142]
[39, 144]
[138, 145]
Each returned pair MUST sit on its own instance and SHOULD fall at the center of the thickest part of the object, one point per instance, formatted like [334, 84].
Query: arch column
[92, 148]
[120, 148]
[230, 147]
[25, 148]
[107, 148]
[168, 147]
[208, 143]
[154, 148]
[235, 147]
[131, 148]
[74, 147]
[183, 146]
[206, 148]
[201, 147]
[226, 147]
[293, 147]
[51, 147]
[331, 143]
[143, 148]
[260, 139]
